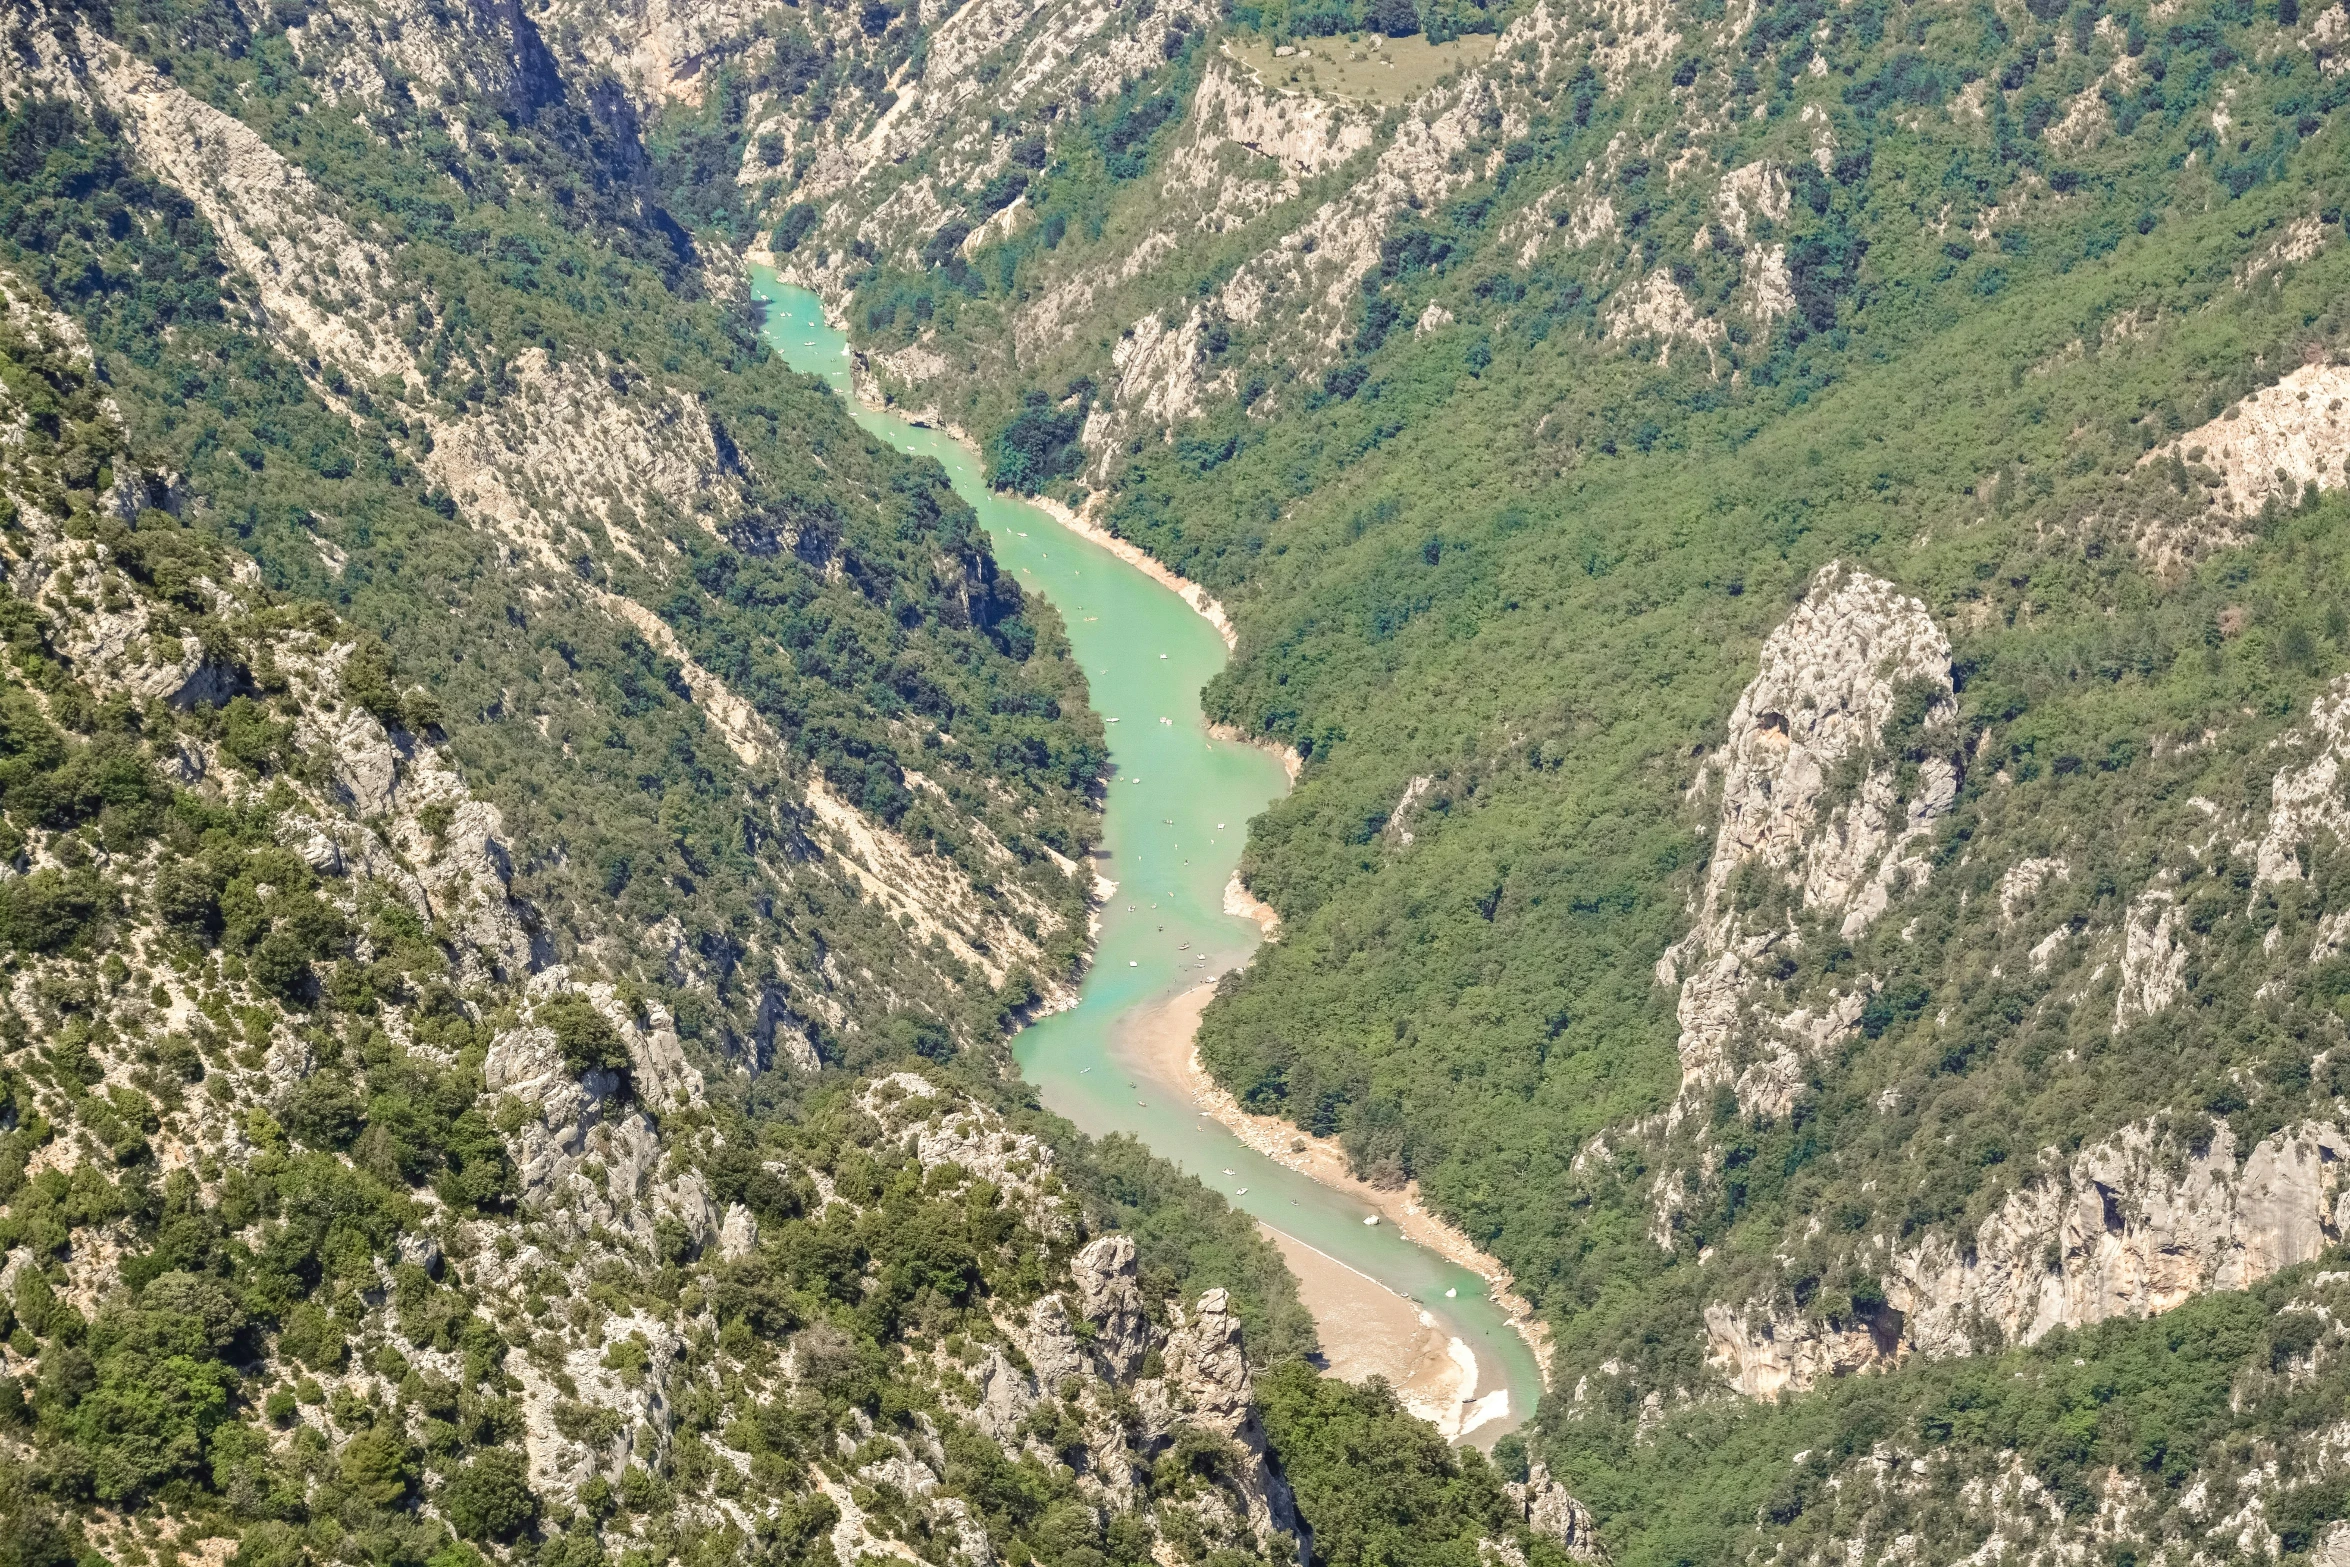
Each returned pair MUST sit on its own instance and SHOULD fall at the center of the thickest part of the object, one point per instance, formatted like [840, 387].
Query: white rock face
[2023, 882]
[1247, 148]
[586, 1154]
[1208, 1386]
[1655, 308]
[607, 1377]
[1108, 1297]
[1548, 1510]
[1810, 806]
[2299, 428]
[2131, 1227]
[1751, 191]
[2131, 1237]
[2307, 798]
[2154, 960]
[738, 1232]
[969, 1135]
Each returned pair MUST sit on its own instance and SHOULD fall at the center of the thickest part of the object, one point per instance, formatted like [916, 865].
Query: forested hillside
[1801, 547]
[684, 625]
[505, 958]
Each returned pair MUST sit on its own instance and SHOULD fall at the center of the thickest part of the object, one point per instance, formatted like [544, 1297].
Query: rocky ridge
[2132, 1224]
[577, 461]
[1821, 813]
[554, 1286]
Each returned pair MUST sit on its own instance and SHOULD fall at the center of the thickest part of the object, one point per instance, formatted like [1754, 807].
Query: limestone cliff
[1821, 808]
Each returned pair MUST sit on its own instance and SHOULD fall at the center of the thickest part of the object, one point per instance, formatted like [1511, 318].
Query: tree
[588, 1042]
[379, 1464]
[490, 1499]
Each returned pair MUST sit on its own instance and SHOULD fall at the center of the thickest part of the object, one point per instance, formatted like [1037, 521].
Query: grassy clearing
[1363, 69]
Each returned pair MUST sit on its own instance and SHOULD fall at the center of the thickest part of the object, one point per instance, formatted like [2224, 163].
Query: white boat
[1372, 1220]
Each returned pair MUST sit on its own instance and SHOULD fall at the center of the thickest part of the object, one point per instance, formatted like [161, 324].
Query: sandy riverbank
[1162, 1044]
[1370, 1331]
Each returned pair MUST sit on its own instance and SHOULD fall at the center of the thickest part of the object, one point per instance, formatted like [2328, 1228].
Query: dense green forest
[1503, 542]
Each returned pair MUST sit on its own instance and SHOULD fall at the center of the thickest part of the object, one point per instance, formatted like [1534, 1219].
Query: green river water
[1179, 802]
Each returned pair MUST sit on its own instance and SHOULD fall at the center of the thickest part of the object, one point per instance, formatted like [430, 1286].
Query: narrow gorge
[1120, 1058]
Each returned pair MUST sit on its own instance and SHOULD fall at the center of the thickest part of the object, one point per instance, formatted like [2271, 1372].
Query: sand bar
[1160, 1043]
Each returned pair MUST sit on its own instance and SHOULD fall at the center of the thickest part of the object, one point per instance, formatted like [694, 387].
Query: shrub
[588, 1042]
[490, 1499]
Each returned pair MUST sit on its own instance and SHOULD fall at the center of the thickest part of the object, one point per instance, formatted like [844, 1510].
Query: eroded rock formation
[1818, 830]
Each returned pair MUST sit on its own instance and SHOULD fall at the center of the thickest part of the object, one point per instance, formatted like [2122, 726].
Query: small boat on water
[1243, 1192]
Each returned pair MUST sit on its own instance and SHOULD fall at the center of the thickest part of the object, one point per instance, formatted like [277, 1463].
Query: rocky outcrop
[1763, 1353]
[2130, 1227]
[2275, 441]
[1208, 1386]
[1815, 829]
[1102, 1278]
[944, 1131]
[1549, 1511]
[2153, 958]
[588, 1154]
[2308, 801]
[1202, 1383]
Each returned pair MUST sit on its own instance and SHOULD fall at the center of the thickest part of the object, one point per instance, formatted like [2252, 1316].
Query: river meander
[1179, 802]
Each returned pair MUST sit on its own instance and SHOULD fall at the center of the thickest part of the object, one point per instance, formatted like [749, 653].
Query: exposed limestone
[1308, 278]
[588, 1156]
[2023, 881]
[1208, 1386]
[1205, 1386]
[1657, 309]
[2129, 1227]
[1399, 819]
[1548, 1510]
[1754, 190]
[1809, 806]
[559, 1466]
[930, 889]
[1763, 1354]
[2153, 959]
[1107, 1296]
[2306, 800]
[2294, 433]
[974, 1138]
[1247, 149]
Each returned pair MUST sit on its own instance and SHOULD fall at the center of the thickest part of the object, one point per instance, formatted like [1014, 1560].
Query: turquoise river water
[1179, 802]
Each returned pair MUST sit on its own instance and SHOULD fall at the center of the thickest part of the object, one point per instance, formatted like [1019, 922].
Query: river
[1179, 802]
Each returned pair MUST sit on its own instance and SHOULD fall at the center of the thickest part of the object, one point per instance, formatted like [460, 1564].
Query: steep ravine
[1386, 1300]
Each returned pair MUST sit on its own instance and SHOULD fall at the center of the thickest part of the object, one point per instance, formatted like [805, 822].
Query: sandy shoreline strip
[1171, 1054]
[1370, 1331]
